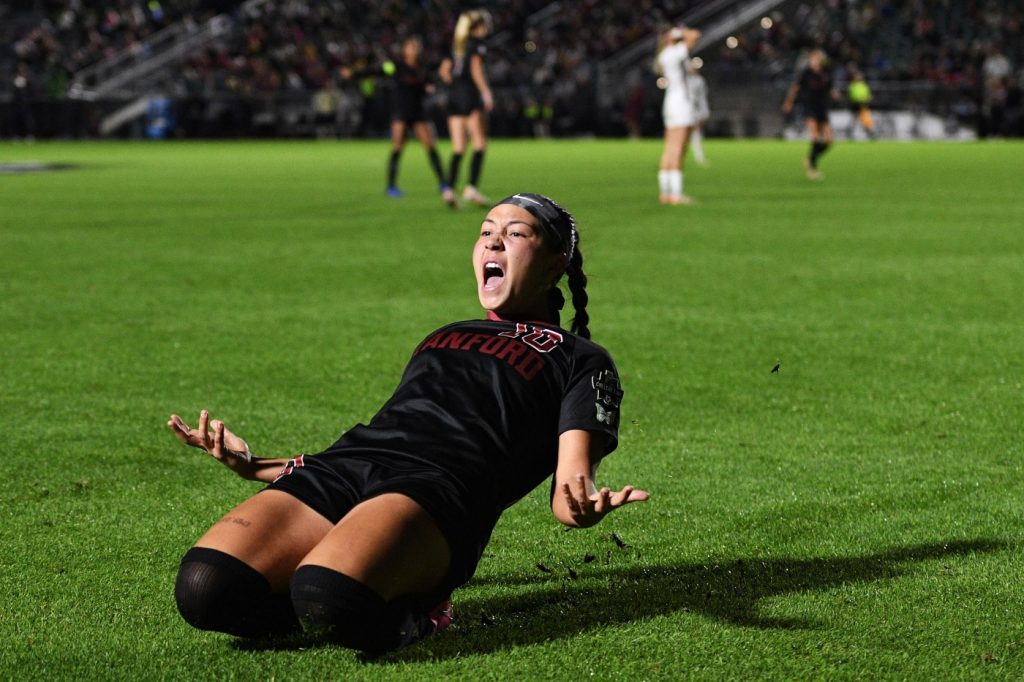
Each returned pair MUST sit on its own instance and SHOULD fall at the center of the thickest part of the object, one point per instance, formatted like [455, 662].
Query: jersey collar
[494, 317]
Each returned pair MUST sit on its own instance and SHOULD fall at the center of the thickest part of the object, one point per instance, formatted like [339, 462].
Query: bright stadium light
[766, 23]
[731, 42]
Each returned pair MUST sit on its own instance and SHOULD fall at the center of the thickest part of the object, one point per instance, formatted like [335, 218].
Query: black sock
[453, 169]
[435, 163]
[393, 167]
[475, 166]
[817, 149]
[343, 610]
[216, 591]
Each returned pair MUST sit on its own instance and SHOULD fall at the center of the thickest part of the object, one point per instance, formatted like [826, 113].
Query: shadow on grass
[729, 591]
[554, 605]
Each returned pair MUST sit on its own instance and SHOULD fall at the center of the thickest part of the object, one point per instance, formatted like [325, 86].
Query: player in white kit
[678, 110]
[701, 110]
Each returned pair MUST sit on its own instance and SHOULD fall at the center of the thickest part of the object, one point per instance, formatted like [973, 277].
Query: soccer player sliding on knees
[363, 543]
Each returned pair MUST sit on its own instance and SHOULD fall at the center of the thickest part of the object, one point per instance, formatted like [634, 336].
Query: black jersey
[464, 96]
[461, 73]
[483, 402]
[815, 88]
[410, 88]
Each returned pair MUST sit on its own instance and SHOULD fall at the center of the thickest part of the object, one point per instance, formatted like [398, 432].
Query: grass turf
[855, 515]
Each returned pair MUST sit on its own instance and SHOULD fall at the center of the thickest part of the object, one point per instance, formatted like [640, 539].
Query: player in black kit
[411, 86]
[469, 95]
[363, 543]
[816, 91]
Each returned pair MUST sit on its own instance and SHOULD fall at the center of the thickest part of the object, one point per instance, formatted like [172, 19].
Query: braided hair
[561, 234]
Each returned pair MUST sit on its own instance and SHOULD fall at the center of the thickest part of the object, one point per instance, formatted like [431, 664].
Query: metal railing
[715, 19]
[133, 69]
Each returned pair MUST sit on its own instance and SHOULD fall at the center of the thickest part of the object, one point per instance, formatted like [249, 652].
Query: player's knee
[335, 607]
[213, 589]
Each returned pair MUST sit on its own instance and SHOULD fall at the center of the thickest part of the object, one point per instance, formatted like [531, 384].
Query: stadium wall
[908, 110]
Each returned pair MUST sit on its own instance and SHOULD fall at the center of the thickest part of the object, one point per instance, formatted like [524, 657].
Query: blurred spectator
[326, 103]
[24, 124]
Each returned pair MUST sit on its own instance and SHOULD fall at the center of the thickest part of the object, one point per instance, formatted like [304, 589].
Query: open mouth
[493, 275]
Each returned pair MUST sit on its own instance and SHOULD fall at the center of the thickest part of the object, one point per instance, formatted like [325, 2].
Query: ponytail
[577, 278]
[664, 40]
[462, 28]
[578, 288]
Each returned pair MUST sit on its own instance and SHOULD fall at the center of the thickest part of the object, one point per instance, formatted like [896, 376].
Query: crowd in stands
[969, 46]
[544, 57]
[55, 44]
[940, 40]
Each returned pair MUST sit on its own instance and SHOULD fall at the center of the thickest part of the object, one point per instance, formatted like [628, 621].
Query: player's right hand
[221, 443]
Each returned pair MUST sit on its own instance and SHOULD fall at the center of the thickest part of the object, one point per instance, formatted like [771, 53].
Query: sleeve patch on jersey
[609, 396]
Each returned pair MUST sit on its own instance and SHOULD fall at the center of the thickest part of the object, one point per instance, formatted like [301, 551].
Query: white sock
[675, 183]
[663, 184]
[696, 140]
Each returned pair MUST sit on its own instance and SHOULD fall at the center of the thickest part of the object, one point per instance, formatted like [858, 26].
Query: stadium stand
[260, 67]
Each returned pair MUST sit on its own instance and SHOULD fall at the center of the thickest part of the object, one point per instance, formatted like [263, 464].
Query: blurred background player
[411, 86]
[24, 123]
[326, 103]
[858, 94]
[469, 95]
[677, 110]
[815, 89]
[701, 111]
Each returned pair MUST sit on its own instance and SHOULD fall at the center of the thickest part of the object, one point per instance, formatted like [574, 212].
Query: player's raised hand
[215, 438]
[587, 505]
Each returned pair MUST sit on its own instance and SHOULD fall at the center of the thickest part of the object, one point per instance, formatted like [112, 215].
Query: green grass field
[857, 515]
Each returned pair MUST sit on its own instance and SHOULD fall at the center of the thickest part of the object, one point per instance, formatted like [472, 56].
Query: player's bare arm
[476, 70]
[787, 104]
[445, 71]
[690, 37]
[576, 501]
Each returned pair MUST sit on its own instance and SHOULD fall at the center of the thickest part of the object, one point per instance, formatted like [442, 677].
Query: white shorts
[678, 111]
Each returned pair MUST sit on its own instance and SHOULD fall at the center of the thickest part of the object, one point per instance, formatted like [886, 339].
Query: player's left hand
[587, 505]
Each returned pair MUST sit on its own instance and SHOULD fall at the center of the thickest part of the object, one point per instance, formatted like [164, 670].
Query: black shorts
[332, 483]
[463, 100]
[816, 110]
[409, 114]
